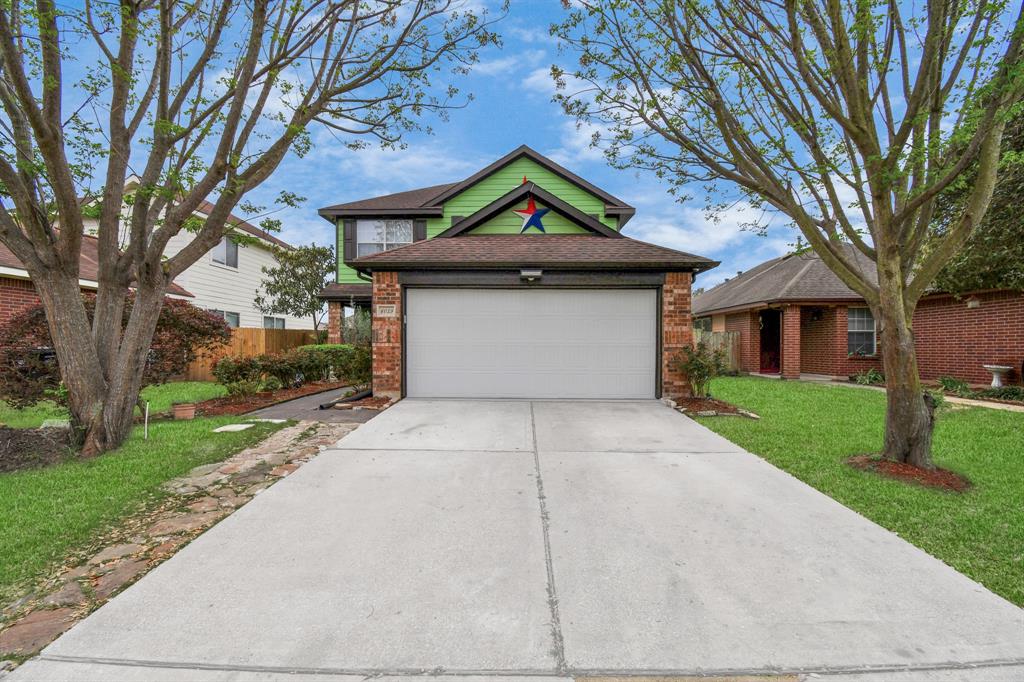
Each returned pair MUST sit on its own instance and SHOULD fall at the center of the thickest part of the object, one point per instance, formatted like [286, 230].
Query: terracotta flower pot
[184, 410]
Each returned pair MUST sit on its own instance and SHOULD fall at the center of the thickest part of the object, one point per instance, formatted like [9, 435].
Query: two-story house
[514, 282]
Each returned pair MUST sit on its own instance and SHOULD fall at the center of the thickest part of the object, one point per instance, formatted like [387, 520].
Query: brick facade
[387, 336]
[334, 322]
[790, 342]
[952, 338]
[676, 331]
[15, 296]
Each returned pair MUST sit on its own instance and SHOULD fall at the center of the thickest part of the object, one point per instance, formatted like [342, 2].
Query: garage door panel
[531, 343]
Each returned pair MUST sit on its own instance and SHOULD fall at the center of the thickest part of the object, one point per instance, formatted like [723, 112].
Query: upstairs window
[860, 332]
[233, 319]
[376, 235]
[226, 253]
[273, 322]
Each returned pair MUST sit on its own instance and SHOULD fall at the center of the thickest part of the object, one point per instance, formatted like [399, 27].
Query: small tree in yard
[700, 363]
[293, 285]
[29, 374]
[849, 118]
[199, 99]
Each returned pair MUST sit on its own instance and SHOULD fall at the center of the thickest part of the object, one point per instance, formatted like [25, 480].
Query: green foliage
[29, 372]
[700, 364]
[957, 387]
[1003, 393]
[292, 287]
[358, 327]
[868, 377]
[993, 257]
[318, 362]
[242, 388]
[231, 370]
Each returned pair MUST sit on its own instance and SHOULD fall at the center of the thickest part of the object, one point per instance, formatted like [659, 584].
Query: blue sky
[512, 106]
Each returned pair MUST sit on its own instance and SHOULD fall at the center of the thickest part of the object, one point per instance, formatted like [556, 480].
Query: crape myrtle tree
[293, 286]
[197, 99]
[847, 118]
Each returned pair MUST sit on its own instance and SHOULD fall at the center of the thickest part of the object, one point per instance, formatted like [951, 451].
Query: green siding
[475, 197]
[346, 275]
[509, 223]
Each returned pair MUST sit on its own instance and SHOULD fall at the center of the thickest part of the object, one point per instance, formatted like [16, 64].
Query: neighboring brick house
[515, 282]
[795, 316]
[17, 291]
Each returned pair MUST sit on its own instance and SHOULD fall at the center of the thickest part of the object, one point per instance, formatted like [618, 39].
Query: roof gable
[510, 200]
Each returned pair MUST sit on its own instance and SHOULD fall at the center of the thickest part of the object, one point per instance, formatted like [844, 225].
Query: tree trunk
[910, 412]
[76, 355]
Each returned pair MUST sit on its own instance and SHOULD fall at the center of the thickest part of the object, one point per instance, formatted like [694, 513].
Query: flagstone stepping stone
[124, 571]
[184, 523]
[35, 631]
[267, 421]
[207, 504]
[115, 552]
[231, 428]
[68, 595]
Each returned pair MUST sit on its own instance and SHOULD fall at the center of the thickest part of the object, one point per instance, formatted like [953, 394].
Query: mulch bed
[942, 479]
[242, 404]
[706, 406]
[32, 448]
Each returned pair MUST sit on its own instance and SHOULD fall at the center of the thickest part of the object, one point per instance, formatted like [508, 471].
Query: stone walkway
[197, 501]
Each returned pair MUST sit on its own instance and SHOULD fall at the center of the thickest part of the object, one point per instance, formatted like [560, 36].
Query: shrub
[271, 384]
[956, 386]
[868, 377]
[332, 359]
[244, 387]
[232, 370]
[1003, 393]
[28, 367]
[699, 364]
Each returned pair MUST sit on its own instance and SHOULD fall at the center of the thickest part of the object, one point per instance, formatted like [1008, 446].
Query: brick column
[791, 342]
[334, 312]
[676, 331]
[387, 335]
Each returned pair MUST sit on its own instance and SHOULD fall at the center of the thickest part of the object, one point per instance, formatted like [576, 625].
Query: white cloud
[507, 66]
[576, 144]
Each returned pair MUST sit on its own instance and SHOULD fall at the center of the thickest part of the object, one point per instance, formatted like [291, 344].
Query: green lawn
[160, 400]
[809, 430]
[47, 513]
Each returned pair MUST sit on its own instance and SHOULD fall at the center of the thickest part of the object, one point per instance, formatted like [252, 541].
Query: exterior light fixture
[531, 275]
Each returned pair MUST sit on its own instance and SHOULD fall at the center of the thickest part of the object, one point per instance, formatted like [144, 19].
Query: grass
[809, 430]
[160, 399]
[46, 514]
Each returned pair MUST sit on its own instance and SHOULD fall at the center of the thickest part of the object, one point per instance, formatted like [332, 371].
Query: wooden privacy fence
[248, 343]
[726, 341]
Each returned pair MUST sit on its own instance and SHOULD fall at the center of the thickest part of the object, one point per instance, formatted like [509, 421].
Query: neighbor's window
[703, 324]
[226, 253]
[860, 332]
[233, 319]
[374, 236]
[273, 322]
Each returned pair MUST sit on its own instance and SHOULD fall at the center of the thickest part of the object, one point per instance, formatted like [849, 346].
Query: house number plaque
[387, 310]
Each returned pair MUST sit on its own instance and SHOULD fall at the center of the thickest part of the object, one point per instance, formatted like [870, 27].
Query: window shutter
[419, 230]
[348, 228]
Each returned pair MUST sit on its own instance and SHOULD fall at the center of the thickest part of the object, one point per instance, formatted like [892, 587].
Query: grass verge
[810, 430]
[160, 399]
[45, 514]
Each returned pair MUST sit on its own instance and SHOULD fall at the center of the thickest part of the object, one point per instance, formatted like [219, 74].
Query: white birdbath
[998, 373]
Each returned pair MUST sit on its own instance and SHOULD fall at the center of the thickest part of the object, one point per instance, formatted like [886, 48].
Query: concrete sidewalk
[511, 539]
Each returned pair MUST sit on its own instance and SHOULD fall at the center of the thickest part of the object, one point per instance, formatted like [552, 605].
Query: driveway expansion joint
[558, 642]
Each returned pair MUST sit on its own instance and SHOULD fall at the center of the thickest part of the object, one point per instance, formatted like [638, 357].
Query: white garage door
[531, 343]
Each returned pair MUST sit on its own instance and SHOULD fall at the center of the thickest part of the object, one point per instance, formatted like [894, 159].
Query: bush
[956, 386]
[1003, 393]
[28, 366]
[232, 370]
[238, 388]
[271, 384]
[700, 364]
[868, 377]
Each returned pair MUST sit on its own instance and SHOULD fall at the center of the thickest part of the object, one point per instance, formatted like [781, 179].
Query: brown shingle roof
[88, 263]
[793, 277]
[336, 291]
[411, 199]
[556, 251]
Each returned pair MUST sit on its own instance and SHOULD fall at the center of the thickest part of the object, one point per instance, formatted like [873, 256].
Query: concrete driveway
[473, 539]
